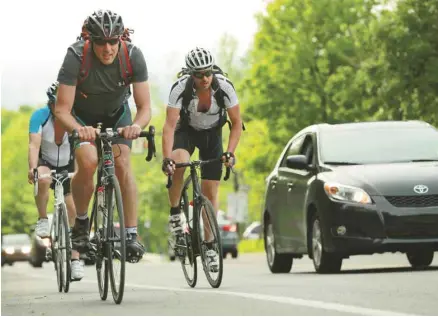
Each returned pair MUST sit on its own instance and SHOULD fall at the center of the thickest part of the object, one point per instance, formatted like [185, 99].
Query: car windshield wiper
[342, 163]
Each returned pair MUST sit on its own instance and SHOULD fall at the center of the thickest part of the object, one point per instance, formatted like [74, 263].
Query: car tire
[420, 258]
[277, 262]
[37, 264]
[323, 261]
[10, 263]
[234, 254]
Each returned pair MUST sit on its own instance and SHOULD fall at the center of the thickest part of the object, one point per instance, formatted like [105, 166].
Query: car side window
[294, 149]
[307, 150]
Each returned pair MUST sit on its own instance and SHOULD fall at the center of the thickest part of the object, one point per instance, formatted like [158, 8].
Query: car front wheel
[278, 263]
[420, 258]
[324, 262]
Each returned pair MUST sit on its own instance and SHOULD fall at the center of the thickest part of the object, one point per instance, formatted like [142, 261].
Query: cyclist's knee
[122, 157]
[86, 159]
[180, 155]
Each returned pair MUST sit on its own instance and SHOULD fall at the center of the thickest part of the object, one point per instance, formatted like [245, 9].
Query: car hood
[398, 179]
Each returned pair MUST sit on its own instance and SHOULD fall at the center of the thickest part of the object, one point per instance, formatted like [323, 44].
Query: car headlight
[25, 249]
[347, 193]
[9, 250]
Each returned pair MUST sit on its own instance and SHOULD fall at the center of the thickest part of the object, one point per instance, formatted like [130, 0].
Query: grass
[251, 246]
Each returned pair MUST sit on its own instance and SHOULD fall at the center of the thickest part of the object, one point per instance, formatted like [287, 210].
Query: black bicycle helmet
[104, 24]
[51, 92]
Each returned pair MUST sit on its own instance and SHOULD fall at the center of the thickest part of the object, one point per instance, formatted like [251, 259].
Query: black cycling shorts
[121, 118]
[70, 168]
[209, 144]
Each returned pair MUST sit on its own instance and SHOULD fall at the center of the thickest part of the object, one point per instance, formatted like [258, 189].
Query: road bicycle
[107, 226]
[60, 243]
[197, 226]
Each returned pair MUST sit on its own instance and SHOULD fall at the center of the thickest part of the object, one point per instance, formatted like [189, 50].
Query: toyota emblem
[421, 189]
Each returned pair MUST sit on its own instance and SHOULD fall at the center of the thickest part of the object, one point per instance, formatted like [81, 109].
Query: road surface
[367, 285]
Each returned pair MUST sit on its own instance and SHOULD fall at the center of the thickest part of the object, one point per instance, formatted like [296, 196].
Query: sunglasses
[102, 42]
[201, 75]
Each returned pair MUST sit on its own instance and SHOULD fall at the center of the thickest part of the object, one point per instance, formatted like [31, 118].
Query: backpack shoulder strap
[125, 63]
[86, 62]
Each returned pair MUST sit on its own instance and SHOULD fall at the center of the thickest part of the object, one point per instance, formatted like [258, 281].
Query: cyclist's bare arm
[64, 104]
[142, 98]
[236, 128]
[34, 151]
[172, 116]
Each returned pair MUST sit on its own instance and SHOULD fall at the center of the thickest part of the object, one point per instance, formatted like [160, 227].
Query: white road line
[349, 309]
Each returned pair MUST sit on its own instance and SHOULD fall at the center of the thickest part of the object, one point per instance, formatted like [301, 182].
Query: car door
[284, 183]
[296, 197]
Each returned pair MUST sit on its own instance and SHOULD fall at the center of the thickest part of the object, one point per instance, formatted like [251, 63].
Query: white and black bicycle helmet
[199, 59]
[104, 24]
[51, 92]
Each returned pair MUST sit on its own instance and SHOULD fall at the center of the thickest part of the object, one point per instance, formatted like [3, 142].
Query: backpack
[123, 55]
[219, 95]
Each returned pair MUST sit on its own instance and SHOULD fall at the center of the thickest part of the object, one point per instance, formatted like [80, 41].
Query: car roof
[374, 125]
[322, 127]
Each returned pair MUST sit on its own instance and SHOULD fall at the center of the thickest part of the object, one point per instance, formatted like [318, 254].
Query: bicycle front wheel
[210, 245]
[117, 239]
[63, 256]
[188, 261]
[99, 223]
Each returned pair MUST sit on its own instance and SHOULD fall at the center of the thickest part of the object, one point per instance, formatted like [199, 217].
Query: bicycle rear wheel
[99, 223]
[188, 261]
[117, 242]
[208, 222]
[65, 247]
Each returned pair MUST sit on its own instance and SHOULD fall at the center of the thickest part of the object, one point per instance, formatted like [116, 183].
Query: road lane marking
[349, 309]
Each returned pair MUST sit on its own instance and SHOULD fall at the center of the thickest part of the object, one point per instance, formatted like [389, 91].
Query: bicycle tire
[117, 291]
[66, 247]
[188, 236]
[100, 256]
[211, 214]
[55, 251]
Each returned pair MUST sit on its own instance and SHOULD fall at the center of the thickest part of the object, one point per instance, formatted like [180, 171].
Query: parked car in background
[15, 248]
[348, 189]
[253, 231]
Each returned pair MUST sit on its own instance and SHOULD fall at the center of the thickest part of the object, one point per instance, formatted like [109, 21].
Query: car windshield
[16, 239]
[379, 145]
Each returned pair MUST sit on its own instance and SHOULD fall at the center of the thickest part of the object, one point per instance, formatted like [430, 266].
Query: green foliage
[311, 62]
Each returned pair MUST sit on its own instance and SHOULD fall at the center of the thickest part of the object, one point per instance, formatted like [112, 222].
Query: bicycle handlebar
[196, 164]
[64, 175]
[150, 135]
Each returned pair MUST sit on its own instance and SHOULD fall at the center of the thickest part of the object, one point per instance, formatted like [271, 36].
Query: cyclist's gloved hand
[30, 176]
[168, 166]
[228, 159]
[130, 132]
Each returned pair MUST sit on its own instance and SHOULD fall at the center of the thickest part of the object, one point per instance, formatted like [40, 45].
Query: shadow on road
[379, 270]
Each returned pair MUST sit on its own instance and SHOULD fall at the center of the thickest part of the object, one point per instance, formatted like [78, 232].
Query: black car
[349, 189]
[15, 248]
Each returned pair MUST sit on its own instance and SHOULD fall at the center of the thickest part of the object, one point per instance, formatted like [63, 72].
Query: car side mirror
[298, 162]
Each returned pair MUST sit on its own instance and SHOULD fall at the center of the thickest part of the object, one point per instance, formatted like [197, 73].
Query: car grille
[413, 201]
[411, 226]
